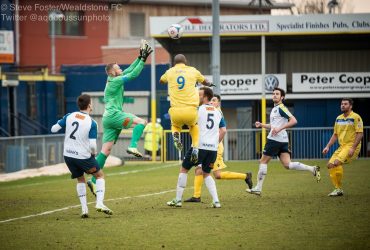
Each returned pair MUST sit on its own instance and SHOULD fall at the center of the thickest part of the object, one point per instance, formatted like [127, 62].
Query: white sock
[262, 172]
[100, 190]
[81, 192]
[211, 185]
[181, 184]
[301, 166]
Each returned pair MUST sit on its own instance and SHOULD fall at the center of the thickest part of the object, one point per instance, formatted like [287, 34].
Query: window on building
[71, 25]
[137, 24]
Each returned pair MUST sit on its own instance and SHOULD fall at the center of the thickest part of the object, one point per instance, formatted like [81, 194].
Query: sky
[349, 6]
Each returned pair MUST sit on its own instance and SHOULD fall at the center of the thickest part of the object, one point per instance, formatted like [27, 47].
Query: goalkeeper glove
[146, 52]
[142, 47]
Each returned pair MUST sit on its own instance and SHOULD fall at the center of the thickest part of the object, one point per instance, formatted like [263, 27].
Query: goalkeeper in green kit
[114, 119]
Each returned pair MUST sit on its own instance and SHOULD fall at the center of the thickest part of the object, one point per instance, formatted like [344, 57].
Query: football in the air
[175, 31]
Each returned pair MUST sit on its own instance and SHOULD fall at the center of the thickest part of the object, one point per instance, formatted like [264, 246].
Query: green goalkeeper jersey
[114, 88]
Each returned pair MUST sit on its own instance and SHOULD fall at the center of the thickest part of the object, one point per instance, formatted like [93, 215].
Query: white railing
[17, 153]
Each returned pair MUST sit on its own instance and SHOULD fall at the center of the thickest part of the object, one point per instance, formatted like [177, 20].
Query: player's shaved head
[179, 58]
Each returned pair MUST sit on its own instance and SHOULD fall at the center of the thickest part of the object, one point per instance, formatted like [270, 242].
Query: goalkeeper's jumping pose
[184, 99]
[114, 119]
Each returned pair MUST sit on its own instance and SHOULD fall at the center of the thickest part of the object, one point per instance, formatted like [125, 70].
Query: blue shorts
[206, 158]
[80, 166]
[275, 148]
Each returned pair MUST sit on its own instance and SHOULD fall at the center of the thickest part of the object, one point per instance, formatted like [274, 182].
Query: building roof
[248, 4]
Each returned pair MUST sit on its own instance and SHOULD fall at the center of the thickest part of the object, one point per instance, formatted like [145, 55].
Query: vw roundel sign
[271, 82]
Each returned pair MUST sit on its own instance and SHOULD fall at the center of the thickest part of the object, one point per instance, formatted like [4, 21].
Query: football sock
[211, 185]
[339, 174]
[198, 182]
[181, 184]
[194, 133]
[232, 175]
[301, 166]
[136, 134]
[101, 158]
[262, 172]
[81, 192]
[100, 190]
[333, 177]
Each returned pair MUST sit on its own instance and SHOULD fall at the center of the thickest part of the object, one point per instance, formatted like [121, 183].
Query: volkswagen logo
[271, 82]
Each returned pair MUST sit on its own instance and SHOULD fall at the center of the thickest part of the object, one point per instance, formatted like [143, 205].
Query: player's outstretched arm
[262, 125]
[132, 66]
[139, 67]
[60, 124]
[55, 128]
[143, 46]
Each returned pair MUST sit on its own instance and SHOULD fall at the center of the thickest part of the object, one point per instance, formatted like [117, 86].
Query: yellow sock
[194, 133]
[232, 175]
[175, 129]
[198, 182]
[339, 174]
[333, 177]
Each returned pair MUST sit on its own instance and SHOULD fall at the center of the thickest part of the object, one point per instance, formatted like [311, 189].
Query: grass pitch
[293, 213]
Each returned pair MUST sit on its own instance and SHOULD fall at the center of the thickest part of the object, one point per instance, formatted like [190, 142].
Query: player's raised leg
[139, 125]
[288, 164]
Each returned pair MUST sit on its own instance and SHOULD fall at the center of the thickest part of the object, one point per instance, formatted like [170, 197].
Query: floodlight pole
[52, 15]
[263, 99]
[216, 46]
[153, 103]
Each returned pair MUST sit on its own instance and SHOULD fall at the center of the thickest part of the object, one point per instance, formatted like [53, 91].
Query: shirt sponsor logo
[79, 116]
[208, 145]
[69, 151]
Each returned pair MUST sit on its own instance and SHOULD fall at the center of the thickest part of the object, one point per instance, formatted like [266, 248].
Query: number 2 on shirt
[181, 82]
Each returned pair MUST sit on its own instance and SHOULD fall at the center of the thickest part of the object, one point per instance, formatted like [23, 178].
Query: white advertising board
[331, 82]
[264, 25]
[249, 84]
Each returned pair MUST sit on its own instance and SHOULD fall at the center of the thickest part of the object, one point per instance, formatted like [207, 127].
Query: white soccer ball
[175, 31]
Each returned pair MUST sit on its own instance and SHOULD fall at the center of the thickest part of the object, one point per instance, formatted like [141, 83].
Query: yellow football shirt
[181, 81]
[347, 127]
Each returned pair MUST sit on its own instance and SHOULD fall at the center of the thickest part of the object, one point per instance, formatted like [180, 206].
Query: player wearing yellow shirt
[218, 165]
[348, 130]
[184, 99]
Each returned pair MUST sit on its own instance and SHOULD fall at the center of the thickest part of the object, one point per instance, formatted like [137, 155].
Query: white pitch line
[111, 174]
[75, 206]
[142, 170]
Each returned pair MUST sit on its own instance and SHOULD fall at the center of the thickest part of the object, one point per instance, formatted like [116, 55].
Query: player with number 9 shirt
[184, 100]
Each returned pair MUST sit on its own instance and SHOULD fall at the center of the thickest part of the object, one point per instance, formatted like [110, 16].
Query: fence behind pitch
[245, 144]
[17, 153]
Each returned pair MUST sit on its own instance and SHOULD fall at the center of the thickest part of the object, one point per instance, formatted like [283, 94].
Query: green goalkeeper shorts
[114, 123]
